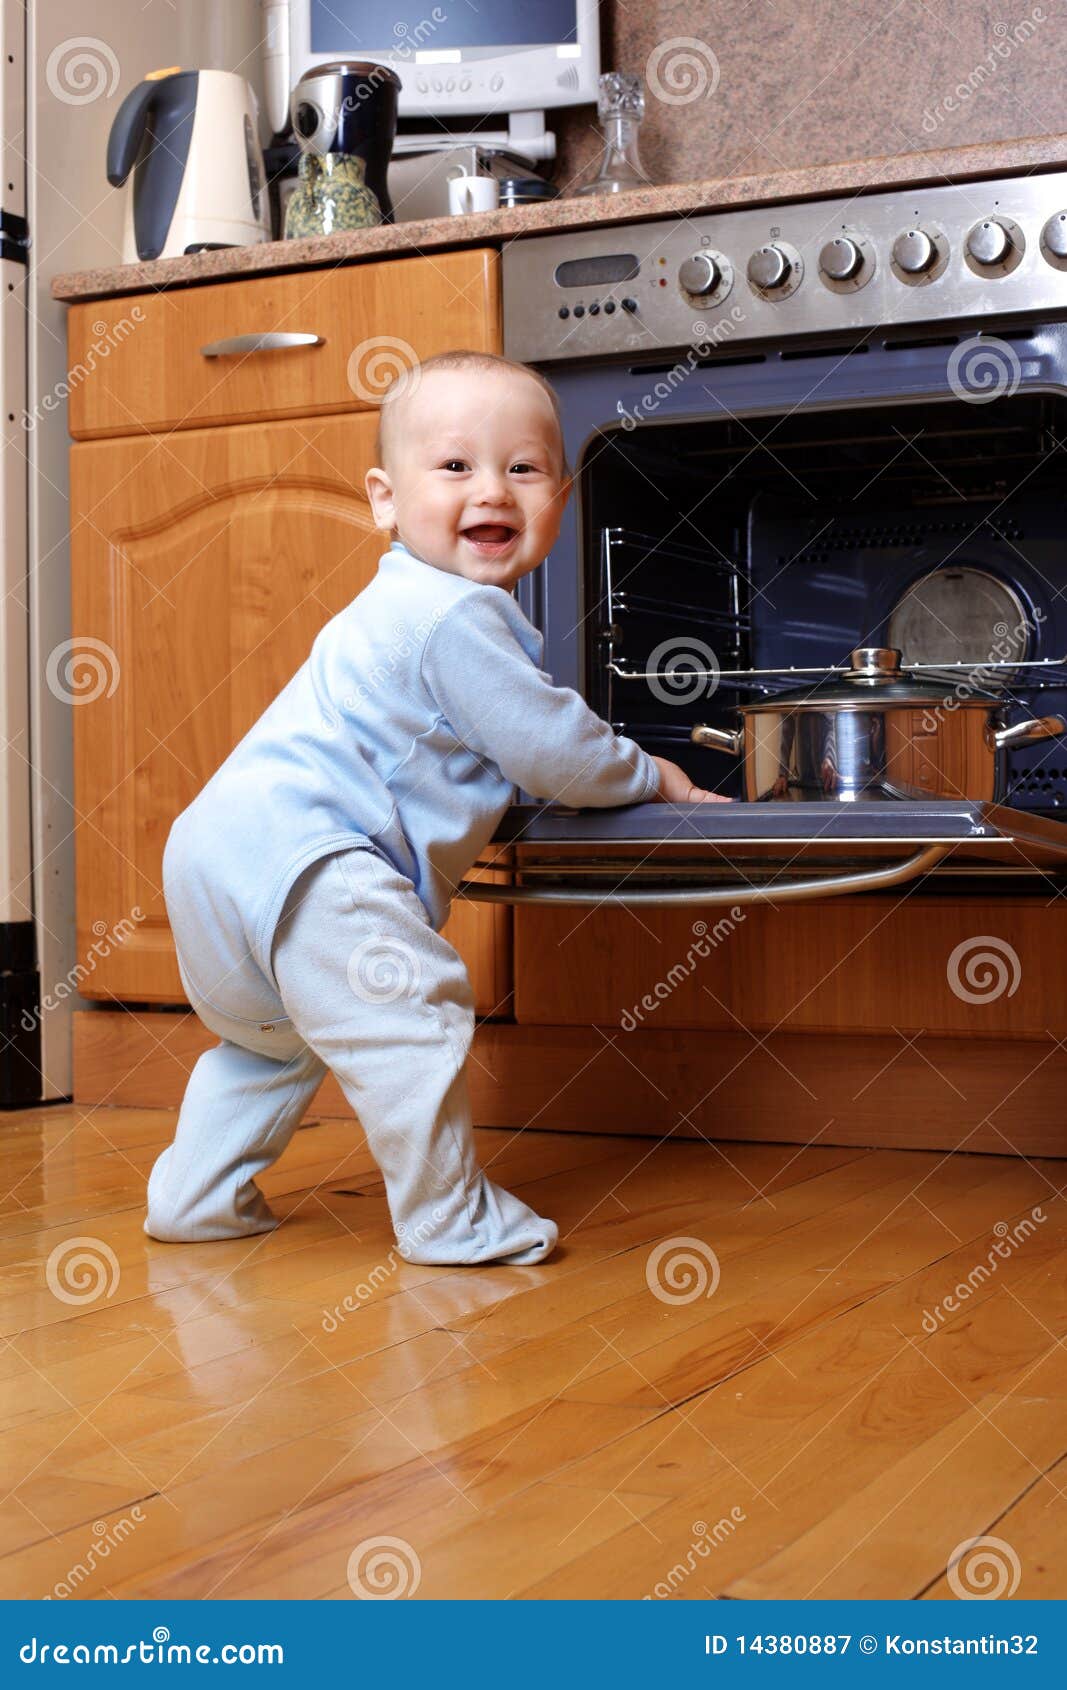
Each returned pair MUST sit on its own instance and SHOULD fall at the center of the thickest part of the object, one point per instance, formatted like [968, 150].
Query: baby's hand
[675, 787]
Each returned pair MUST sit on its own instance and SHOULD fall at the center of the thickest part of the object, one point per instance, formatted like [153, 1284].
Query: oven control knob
[989, 242]
[699, 274]
[914, 251]
[768, 268]
[1054, 235]
[841, 259]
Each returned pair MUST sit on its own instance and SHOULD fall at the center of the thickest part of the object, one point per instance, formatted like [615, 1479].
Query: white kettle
[191, 139]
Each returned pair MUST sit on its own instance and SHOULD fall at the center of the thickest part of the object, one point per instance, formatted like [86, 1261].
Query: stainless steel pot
[875, 732]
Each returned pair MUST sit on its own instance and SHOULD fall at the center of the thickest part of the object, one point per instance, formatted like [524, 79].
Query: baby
[307, 883]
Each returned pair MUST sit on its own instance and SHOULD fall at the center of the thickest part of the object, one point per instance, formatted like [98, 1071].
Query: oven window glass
[723, 543]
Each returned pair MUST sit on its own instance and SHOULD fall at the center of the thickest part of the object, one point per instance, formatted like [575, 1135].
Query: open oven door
[748, 853]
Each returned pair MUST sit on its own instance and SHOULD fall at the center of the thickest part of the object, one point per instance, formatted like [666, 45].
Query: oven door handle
[828, 886]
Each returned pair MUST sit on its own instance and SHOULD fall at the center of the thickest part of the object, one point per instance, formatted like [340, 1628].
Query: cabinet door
[203, 566]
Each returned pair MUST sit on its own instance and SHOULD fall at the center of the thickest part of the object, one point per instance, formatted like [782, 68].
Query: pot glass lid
[960, 615]
[874, 680]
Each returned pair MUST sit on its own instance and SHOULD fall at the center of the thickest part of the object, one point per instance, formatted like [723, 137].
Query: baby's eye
[532, 467]
[454, 463]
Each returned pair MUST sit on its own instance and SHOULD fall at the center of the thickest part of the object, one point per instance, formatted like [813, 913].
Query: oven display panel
[597, 270]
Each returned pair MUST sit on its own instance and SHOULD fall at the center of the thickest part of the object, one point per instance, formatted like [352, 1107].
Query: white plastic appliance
[509, 59]
[191, 140]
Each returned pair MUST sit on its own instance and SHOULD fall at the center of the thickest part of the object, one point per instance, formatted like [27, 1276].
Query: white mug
[473, 193]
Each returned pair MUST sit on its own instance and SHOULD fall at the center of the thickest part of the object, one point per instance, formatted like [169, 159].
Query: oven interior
[788, 540]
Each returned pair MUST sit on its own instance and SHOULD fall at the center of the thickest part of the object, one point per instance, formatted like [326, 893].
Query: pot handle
[828, 886]
[718, 739]
[1029, 732]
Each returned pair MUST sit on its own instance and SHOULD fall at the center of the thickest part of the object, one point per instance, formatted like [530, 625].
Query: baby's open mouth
[490, 536]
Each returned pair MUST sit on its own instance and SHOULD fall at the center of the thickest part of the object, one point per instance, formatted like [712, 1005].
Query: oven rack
[622, 552]
[621, 549]
[673, 610]
[1055, 668]
[615, 542]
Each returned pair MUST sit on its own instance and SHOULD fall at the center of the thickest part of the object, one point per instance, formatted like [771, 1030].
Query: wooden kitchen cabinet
[901, 963]
[204, 563]
[140, 363]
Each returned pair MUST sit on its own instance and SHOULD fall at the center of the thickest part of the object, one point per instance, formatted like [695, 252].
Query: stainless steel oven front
[798, 430]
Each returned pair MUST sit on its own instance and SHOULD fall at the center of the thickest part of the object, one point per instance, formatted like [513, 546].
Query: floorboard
[749, 1370]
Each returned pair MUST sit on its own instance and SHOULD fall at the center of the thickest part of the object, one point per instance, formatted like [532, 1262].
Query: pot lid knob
[875, 660]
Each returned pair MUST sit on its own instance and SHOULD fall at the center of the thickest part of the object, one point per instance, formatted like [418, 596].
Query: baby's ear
[381, 498]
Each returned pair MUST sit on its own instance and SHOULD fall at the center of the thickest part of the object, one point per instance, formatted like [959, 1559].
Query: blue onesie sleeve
[542, 737]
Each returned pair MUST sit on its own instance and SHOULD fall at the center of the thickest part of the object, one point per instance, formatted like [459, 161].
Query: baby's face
[474, 483]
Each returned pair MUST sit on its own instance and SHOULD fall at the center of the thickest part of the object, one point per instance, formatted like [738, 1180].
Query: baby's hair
[407, 382]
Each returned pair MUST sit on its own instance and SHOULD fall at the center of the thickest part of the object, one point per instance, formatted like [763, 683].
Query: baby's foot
[182, 1212]
[174, 1230]
[504, 1231]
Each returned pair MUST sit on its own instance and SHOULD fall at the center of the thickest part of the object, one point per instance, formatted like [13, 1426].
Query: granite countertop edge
[948, 165]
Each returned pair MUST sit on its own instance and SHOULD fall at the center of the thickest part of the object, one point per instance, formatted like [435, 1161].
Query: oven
[799, 430]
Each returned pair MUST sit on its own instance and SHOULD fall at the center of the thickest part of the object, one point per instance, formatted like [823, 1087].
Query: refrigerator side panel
[84, 60]
[19, 977]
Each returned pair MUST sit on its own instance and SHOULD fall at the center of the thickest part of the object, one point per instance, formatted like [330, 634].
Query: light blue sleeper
[306, 886]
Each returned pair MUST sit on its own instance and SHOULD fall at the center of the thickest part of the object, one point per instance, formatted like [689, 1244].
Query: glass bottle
[620, 107]
[332, 195]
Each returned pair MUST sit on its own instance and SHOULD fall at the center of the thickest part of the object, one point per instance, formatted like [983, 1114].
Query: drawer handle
[239, 343]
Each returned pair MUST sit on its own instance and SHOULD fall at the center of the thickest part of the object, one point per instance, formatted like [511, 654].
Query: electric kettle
[191, 139]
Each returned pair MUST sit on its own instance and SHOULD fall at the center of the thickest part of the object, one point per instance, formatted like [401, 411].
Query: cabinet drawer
[138, 362]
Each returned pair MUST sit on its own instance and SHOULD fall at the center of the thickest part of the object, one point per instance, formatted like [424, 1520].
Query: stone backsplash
[736, 89]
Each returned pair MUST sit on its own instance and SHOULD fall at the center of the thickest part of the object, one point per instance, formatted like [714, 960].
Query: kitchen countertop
[950, 164]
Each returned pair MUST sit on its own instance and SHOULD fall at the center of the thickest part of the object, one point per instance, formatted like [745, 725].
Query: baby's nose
[494, 491]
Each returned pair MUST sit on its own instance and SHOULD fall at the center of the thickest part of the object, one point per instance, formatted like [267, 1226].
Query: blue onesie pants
[370, 990]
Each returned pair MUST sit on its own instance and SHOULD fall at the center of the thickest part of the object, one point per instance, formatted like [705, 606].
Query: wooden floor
[732, 1379]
